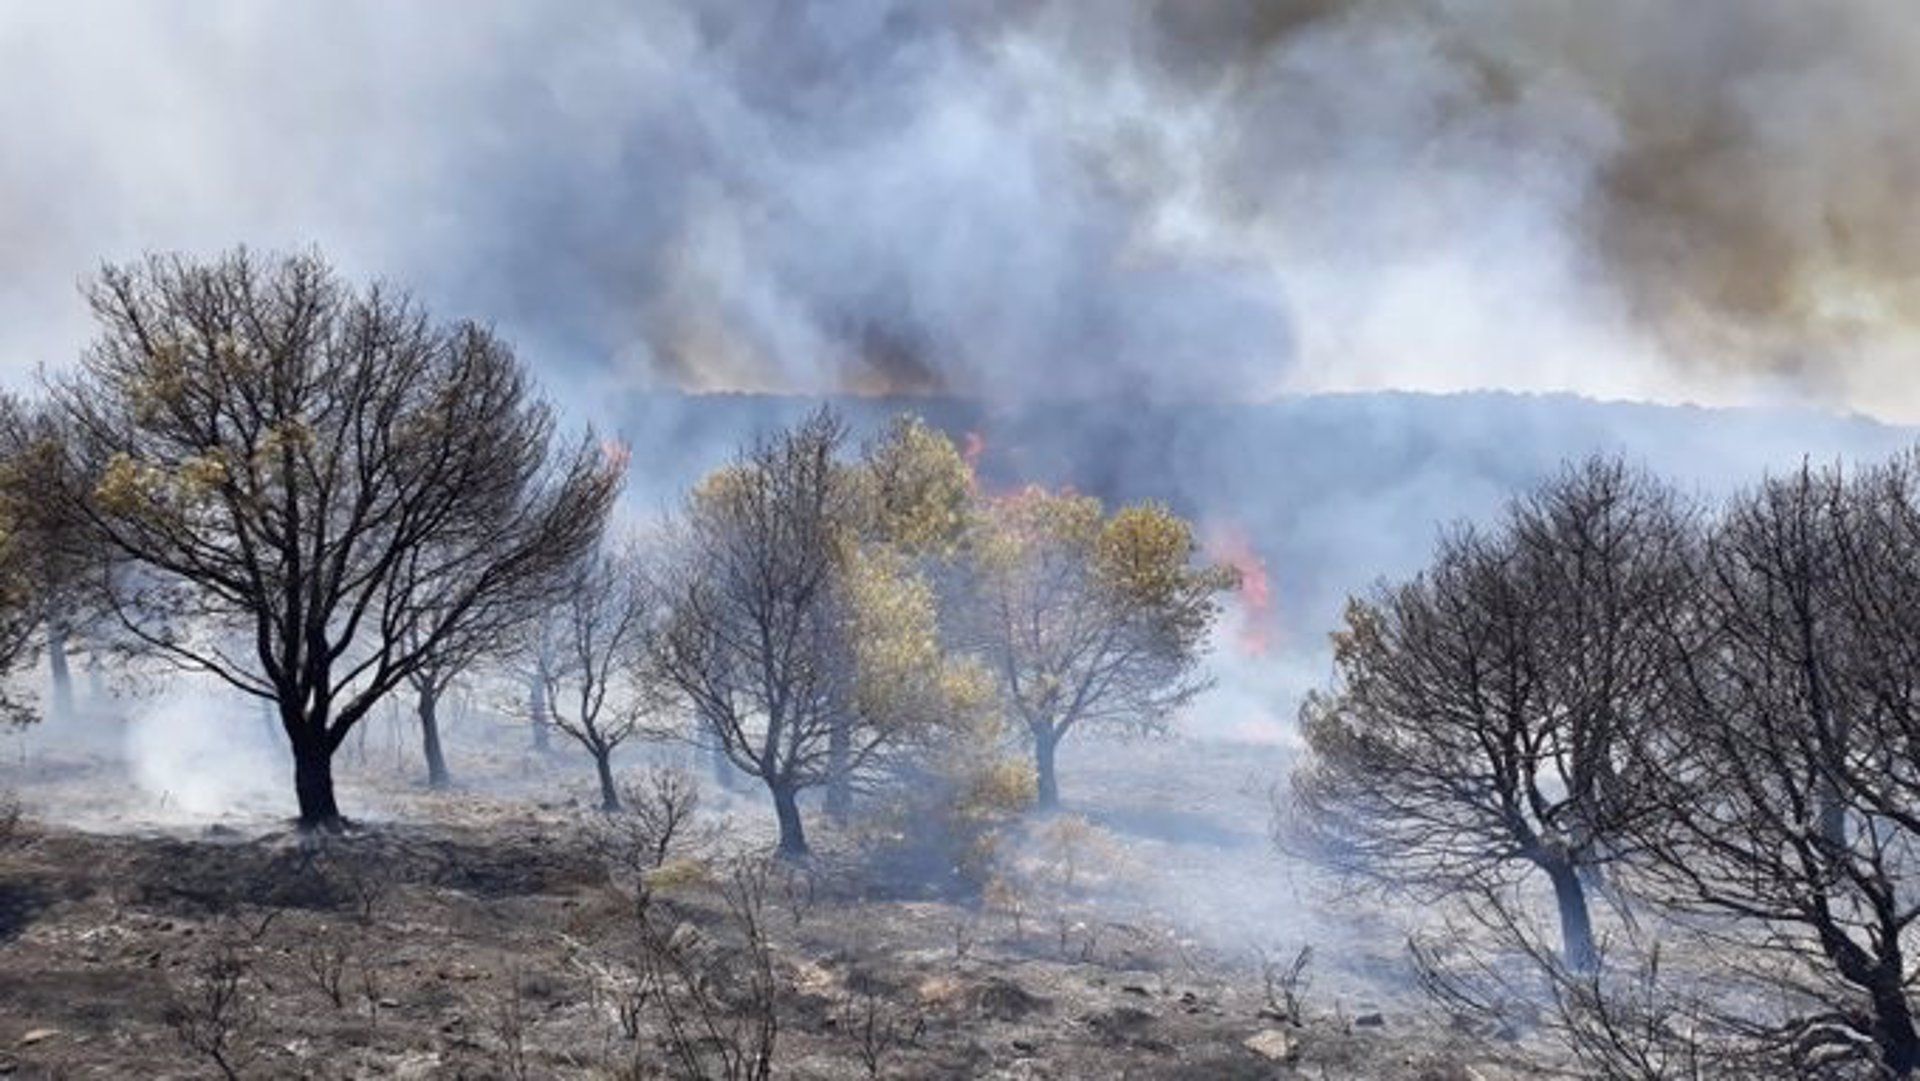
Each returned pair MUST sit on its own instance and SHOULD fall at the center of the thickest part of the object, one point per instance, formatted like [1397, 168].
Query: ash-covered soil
[484, 933]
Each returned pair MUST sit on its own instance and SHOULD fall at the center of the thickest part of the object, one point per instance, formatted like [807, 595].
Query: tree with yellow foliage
[1088, 618]
[801, 629]
[913, 498]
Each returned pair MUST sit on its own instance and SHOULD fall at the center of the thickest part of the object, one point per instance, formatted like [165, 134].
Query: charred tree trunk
[840, 769]
[313, 784]
[793, 834]
[1576, 923]
[1881, 974]
[59, 670]
[437, 775]
[1045, 743]
[609, 795]
[1893, 1028]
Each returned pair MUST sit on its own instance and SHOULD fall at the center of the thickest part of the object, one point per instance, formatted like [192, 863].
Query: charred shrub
[708, 996]
[878, 1027]
[353, 880]
[1286, 981]
[323, 965]
[508, 1021]
[214, 1013]
[658, 821]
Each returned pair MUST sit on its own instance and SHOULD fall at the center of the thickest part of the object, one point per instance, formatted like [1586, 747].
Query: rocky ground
[485, 933]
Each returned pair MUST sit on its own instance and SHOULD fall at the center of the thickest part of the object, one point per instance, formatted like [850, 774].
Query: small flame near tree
[1257, 627]
[973, 446]
[615, 454]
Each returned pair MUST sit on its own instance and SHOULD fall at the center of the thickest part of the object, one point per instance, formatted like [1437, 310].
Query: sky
[1017, 199]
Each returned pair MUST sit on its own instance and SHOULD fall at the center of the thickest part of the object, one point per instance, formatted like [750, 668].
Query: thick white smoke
[1204, 198]
[204, 758]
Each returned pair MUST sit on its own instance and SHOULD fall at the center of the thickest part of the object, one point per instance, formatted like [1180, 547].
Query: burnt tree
[1786, 775]
[441, 663]
[316, 485]
[1476, 736]
[530, 657]
[595, 681]
[35, 563]
[754, 641]
[430, 681]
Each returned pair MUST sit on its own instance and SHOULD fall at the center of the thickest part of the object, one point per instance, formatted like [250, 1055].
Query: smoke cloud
[1018, 198]
[203, 757]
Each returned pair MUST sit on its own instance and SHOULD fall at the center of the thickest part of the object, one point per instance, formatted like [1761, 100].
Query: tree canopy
[801, 630]
[1088, 618]
[314, 486]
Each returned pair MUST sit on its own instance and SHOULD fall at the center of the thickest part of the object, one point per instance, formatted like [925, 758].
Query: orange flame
[973, 451]
[615, 455]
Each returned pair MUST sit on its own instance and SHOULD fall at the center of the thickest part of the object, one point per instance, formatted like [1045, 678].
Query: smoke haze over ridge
[1218, 200]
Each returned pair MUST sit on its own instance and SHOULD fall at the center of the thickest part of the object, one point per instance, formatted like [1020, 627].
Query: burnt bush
[658, 820]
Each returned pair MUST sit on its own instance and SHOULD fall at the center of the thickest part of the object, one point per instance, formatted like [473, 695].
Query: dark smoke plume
[1206, 199]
